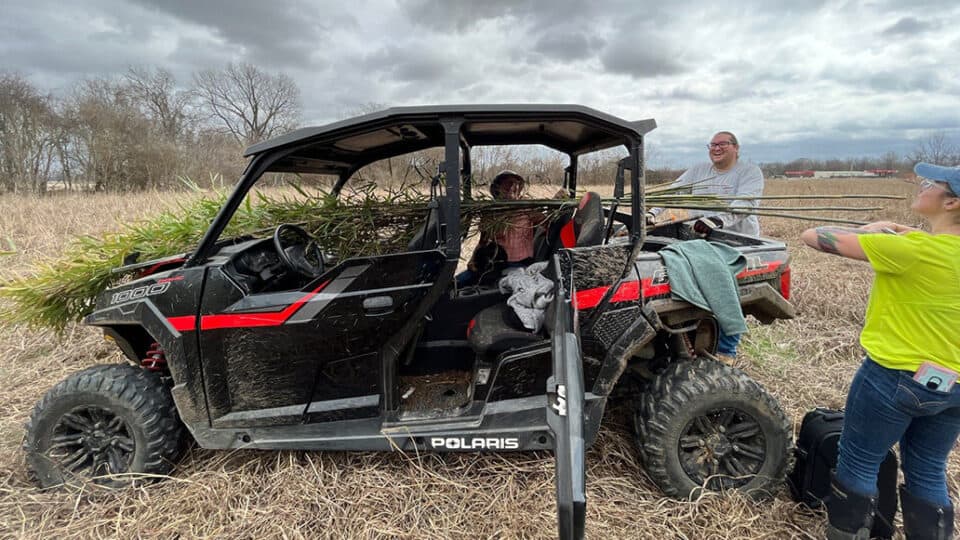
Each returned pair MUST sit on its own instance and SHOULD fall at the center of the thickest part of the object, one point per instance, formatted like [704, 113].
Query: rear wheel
[703, 424]
[102, 424]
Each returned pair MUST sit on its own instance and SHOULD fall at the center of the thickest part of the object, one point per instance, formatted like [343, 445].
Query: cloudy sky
[792, 78]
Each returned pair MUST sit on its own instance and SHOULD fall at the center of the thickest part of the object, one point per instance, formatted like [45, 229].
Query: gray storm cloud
[772, 71]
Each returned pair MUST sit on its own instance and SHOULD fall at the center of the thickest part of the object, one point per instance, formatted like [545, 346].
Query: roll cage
[342, 148]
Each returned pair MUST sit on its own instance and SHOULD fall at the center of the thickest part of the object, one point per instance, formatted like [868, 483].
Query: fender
[164, 292]
[638, 334]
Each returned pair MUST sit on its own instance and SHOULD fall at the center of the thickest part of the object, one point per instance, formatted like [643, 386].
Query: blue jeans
[467, 277]
[885, 406]
[728, 344]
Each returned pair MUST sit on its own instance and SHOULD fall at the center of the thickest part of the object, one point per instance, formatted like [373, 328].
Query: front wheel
[107, 424]
[703, 424]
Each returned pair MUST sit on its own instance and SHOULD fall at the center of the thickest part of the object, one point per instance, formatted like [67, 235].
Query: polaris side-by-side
[272, 343]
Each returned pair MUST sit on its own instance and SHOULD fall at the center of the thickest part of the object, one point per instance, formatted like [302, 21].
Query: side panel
[521, 373]
[284, 357]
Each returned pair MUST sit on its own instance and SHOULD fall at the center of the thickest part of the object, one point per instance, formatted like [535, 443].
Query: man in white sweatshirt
[724, 175]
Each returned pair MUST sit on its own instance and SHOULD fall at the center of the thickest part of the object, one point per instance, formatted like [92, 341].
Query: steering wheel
[298, 251]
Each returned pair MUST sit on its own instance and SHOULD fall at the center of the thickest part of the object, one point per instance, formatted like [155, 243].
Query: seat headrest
[588, 221]
[427, 236]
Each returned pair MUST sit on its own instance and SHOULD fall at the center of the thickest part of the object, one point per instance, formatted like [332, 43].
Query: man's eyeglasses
[926, 184]
[721, 144]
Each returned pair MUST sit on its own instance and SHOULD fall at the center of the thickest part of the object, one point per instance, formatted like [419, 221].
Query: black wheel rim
[92, 441]
[724, 448]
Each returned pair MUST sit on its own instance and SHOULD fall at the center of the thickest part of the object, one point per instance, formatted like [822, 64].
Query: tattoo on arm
[827, 237]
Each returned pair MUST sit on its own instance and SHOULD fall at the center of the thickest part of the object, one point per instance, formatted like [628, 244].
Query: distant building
[839, 174]
[842, 174]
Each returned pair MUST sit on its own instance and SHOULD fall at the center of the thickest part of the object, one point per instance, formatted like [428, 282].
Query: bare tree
[250, 104]
[155, 91]
[936, 149]
[210, 158]
[26, 135]
[110, 144]
[890, 160]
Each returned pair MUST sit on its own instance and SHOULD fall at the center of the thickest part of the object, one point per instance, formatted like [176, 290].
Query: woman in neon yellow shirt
[906, 389]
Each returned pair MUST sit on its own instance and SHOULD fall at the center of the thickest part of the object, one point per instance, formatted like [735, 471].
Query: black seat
[497, 329]
[583, 228]
[428, 235]
[588, 221]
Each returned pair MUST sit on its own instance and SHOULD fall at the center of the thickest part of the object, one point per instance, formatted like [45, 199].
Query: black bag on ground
[816, 457]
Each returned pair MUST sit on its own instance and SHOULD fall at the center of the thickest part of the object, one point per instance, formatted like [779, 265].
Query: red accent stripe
[629, 290]
[161, 264]
[183, 323]
[785, 284]
[473, 322]
[250, 320]
[243, 320]
[649, 289]
[568, 235]
[590, 298]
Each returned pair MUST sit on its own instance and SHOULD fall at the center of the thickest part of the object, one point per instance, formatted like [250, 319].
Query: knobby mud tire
[139, 430]
[703, 393]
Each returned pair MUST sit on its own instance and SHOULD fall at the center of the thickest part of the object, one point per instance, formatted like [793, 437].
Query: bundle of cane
[367, 220]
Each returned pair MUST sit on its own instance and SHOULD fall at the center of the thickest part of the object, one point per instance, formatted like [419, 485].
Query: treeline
[937, 148]
[139, 131]
[144, 130]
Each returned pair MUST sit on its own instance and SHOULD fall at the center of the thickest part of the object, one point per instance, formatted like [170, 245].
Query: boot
[923, 520]
[850, 513]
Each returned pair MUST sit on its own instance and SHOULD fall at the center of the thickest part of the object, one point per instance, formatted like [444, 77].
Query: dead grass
[245, 494]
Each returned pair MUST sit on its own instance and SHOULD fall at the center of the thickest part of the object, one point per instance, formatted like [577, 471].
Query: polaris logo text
[139, 292]
[477, 443]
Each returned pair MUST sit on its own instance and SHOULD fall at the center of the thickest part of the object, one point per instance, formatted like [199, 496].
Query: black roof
[345, 146]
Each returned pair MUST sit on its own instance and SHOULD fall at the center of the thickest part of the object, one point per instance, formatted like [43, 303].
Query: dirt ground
[805, 362]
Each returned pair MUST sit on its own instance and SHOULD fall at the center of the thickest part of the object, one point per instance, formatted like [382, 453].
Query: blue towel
[704, 274]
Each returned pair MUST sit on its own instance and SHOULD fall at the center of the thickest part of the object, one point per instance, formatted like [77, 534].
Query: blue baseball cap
[939, 173]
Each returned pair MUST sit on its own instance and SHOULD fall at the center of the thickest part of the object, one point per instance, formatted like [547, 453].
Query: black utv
[271, 343]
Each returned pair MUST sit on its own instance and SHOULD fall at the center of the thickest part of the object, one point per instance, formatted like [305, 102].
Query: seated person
[506, 239]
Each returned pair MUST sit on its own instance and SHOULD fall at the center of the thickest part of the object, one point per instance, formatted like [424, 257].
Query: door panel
[281, 352]
[565, 414]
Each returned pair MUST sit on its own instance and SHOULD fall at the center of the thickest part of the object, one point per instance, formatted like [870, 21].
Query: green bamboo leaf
[299, 189]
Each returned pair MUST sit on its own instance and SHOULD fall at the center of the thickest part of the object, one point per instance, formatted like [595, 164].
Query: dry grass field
[805, 362]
